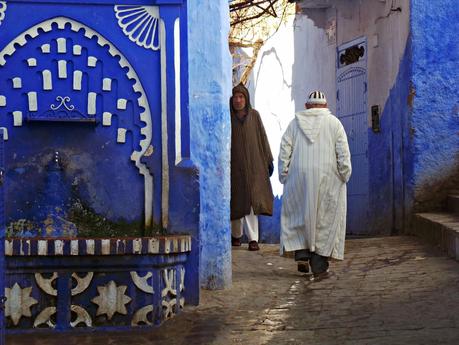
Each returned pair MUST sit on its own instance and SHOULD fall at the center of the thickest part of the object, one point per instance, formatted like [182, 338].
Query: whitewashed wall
[285, 72]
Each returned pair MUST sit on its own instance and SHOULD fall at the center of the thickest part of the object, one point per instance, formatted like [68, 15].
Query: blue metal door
[352, 111]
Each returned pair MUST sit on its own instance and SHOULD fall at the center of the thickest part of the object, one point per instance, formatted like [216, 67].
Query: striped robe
[314, 166]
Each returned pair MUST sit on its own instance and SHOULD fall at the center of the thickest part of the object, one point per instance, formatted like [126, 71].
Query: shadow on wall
[390, 159]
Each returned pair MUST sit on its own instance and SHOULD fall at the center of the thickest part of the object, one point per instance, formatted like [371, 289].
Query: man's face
[310, 106]
[239, 101]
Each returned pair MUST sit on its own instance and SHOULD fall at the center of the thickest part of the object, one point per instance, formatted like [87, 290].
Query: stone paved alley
[389, 290]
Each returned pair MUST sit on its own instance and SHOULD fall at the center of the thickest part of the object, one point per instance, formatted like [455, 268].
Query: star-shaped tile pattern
[111, 299]
[18, 302]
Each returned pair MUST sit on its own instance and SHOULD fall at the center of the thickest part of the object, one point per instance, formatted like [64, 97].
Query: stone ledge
[441, 229]
[173, 244]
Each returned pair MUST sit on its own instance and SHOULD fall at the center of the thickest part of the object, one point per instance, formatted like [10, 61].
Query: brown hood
[241, 89]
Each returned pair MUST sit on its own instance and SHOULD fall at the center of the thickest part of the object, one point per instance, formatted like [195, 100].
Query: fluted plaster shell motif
[140, 24]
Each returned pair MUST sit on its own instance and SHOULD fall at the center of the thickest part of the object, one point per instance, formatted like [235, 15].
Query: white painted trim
[62, 67]
[33, 103]
[77, 77]
[90, 247]
[3, 10]
[107, 84]
[9, 247]
[178, 110]
[17, 83]
[58, 247]
[74, 247]
[121, 136]
[77, 50]
[92, 98]
[5, 132]
[105, 246]
[42, 247]
[32, 62]
[61, 45]
[121, 104]
[46, 48]
[145, 116]
[106, 119]
[164, 137]
[47, 79]
[17, 118]
[92, 61]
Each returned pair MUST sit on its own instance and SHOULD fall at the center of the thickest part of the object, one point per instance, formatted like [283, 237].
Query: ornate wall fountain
[104, 232]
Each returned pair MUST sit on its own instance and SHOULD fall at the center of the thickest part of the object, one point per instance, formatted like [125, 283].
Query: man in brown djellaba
[251, 167]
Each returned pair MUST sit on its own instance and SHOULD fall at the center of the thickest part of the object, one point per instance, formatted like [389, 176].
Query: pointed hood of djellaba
[240, 88]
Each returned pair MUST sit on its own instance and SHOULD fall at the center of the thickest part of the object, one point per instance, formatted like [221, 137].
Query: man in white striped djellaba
[314, 166]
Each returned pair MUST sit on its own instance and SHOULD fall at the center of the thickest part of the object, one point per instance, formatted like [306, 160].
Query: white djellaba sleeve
[343, 155]
[285, 153]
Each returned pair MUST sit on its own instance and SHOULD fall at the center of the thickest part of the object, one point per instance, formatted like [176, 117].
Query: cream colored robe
[314, 166]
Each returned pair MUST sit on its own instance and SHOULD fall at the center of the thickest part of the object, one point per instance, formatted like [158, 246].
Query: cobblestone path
[388, 291]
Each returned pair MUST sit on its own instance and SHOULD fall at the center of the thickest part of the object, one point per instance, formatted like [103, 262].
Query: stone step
[452, 202]
[440, 229]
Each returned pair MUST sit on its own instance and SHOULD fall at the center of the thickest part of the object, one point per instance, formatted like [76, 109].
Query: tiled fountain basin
[94, 283]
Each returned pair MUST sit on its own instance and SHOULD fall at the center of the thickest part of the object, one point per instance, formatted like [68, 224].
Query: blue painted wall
[210, 128]
[435, 121]
[97, 169]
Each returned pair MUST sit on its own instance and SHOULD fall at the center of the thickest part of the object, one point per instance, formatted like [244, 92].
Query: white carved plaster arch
[3, 7]
[142, 101]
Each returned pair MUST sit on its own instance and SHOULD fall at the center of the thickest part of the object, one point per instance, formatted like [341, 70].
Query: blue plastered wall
[210, 133]
[435, 90]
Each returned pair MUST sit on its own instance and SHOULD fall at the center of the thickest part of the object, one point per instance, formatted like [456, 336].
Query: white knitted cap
[316, 97]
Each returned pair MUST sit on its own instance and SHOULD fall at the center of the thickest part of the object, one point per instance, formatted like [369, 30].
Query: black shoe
[253, 245]
[303, 267]
[317, 277]
[235, 242]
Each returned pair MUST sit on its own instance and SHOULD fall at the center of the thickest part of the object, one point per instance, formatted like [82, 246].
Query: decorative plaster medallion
[169, 293]
[2, 10]
[82, 283]
[141, 316]
[111, 299]
[46, 284]
[140, 24]
[169, 282]
[142, 282]
[82, 316]
[18, 302]
[44, 318]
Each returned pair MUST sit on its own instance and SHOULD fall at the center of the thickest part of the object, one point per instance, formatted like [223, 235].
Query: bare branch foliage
[253, 22]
